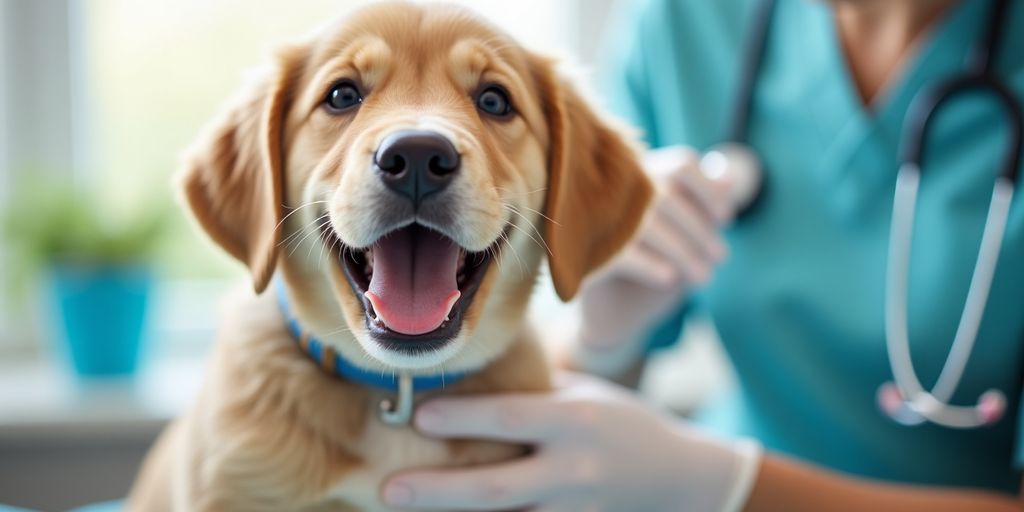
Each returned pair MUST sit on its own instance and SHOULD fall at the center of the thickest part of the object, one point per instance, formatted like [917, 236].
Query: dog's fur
[271, 430]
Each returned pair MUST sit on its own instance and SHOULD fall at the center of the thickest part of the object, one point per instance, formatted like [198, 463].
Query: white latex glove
[597, 448]
[675, 250]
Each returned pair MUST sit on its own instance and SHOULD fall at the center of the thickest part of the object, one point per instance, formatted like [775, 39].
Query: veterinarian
[838, 331]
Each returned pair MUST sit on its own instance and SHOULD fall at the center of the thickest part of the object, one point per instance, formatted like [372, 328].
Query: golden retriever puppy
[384, 183]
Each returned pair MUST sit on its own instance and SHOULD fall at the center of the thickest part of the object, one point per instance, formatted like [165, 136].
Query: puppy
[384, 184]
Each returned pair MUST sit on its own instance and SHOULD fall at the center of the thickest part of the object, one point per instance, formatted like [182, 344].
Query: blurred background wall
[97, 99]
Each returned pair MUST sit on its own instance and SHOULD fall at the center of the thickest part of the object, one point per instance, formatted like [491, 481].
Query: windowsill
[39, 391]
[43, 395]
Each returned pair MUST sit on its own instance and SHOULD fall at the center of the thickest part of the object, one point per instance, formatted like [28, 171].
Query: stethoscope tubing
[919, 404]
[930, 100]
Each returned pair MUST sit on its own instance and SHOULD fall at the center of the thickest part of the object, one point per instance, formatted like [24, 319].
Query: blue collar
[332, 362]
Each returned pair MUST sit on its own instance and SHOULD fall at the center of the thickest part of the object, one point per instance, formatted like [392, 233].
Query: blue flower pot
[102, 311]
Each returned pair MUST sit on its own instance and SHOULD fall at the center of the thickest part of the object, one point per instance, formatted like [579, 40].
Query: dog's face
[396, 167]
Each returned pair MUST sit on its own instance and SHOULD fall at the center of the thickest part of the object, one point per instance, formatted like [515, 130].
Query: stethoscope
[904, 399]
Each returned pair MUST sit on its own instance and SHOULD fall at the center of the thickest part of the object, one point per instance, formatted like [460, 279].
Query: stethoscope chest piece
[736, 164]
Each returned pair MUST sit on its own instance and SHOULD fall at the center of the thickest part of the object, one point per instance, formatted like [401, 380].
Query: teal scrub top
[799, 303]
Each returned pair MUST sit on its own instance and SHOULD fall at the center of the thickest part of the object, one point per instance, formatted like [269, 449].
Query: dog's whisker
[335, 246]
[326, 249]
[494, 256]
[522, 268]
[309, 252]
[542, 215]
[539, 240]
[286, 241]
[294, 211]
[311, 232]
[290, 238]
[330, 249]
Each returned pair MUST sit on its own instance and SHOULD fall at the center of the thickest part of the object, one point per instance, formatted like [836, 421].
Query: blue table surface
[108, 506]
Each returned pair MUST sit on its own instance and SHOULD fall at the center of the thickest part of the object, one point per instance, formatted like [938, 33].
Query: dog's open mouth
[415, 285]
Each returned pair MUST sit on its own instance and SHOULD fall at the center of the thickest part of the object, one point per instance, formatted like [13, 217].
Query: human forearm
[624, 365]
[784, 484]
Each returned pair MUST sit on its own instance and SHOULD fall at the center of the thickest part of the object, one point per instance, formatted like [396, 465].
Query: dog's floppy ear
[232, 177]
[597, 191]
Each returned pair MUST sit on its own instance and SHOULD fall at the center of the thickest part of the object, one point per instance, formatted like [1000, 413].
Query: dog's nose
[416, 163]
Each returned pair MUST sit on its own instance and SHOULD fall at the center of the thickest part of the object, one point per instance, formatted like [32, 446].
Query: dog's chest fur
[386, 449]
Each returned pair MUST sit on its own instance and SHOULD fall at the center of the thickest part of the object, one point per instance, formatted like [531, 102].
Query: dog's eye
[494, 101]
[343, 97]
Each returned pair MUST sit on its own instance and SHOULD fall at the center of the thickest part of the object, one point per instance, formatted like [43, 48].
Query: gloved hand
[598, 448]
[675, 250]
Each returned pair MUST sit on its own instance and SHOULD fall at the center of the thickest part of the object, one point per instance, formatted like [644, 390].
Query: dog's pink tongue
[413, 287]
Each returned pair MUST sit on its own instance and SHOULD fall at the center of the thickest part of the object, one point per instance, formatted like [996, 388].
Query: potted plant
[98, 271]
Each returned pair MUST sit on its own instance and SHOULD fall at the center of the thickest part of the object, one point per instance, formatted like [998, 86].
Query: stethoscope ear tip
[890, 400]
[892, 403]
[989, 410]
[991, 406]
[738, 165]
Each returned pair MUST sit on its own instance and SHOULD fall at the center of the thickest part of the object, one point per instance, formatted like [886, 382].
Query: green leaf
[48, 221]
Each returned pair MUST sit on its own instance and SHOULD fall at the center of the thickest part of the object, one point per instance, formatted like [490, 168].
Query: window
[36, 121]
[4, 171]
[115, 89]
